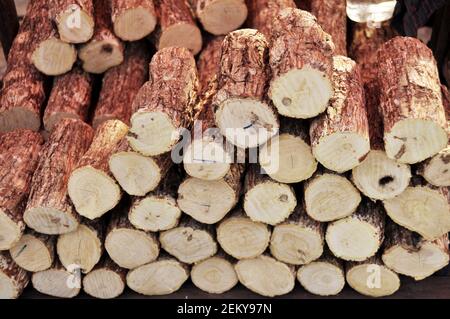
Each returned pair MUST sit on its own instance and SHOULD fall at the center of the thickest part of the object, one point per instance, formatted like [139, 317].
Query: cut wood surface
[164, 105]
[74, 20]
[436, 170]
[49, 209]
[104, 50]
[242, 111]
[19, 155]
[133, 20]
[13, 279]
[411, 101]
[121, 84]
[301, 83]
[105, 281]
[91, 187]
[70, 98]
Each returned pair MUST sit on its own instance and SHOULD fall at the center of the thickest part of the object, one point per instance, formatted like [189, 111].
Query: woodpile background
[350, 185]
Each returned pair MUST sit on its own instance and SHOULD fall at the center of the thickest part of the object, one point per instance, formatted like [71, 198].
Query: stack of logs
[299, 163]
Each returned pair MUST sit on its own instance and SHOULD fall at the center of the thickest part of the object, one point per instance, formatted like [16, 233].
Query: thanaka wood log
[49, 209]
[133, 20]
[19, 155]
[164, 105]
[13, 279]
[91, 187]
[74, 20]
[104, 50]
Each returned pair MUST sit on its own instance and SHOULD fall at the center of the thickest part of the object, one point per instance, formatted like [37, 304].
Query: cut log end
[75, 25]
[134, 24]
[437, 170]
[54, 282]
[93, 192]
[222, 17]
[185, 35]
[54, 57]
[103, 283]
[301, 93]
[10, 231]
[99, 56]
[19, 118]
[321, 278]
[373, 280]
[214, 275]
[8, 289]
[379, 177]
[246, 123]
[32, 254]
[50, 221]
[414, 140]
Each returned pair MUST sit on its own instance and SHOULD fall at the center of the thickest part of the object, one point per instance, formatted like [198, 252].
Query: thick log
[104, 50]
[91, 187]
[340, 137]
[359, 236]
[105, 281]
[190, 242]
[49, 209]
[34, 252]
[436, 170]
[411, 101]
[266, 200]
[299, 240]
[242, 111]
[13, 279]
[75, 20]
[241, 237]
[19, 155]
[70, 98]
[266, 276]
[301, 83]
[164, 105]
[177, 27]
[330, 196]
[121, 84]
[133, 20]
[9, 24]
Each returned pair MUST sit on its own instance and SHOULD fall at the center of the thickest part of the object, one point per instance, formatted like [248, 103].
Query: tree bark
[301, 84]
[411, 101]
[13, 278]
[19, 153]
[91, 187]
[70, 98]
[104, 50]
[75, 20]
[9, 24]
[133, 20]
[121, 84]
[242, 111]
[160, 110]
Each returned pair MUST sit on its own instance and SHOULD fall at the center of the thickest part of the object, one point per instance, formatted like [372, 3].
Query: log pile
[274, 158]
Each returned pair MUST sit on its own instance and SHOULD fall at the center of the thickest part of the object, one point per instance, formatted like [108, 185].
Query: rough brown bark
[164, 105]
[209, 62]
[9, 24]
[19, 155]
[49, 209]
[133, 20]
[13, 278]
[74, 20]
[121, 84]
[70, 98]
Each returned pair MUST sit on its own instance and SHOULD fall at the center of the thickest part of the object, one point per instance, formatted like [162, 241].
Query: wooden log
[190, 242]
[241, 237]
[83, 247]
[340, 137]
[104, 50]
[287, 158]
[34, 252]
[299, 240]
[75, 20]
[359, 236]
[411, 101]
[177, 27]
[121, 84]
[209, 201]
[409, 254]
[19, 155]
[49, 209]
[9, 24]
[57, 281]
[70, 98]
[372, 278]
[324, 276]
[436, 170]
[242, 111]
[266, 276]
[127, 246]
[161, 277]
[266, 200]
[160, 110]
[91, 187]
[13, 279]
[105, 281]
[301, 83]
[220, 17]
[214, 275]
[133, 20]
[330, 196]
